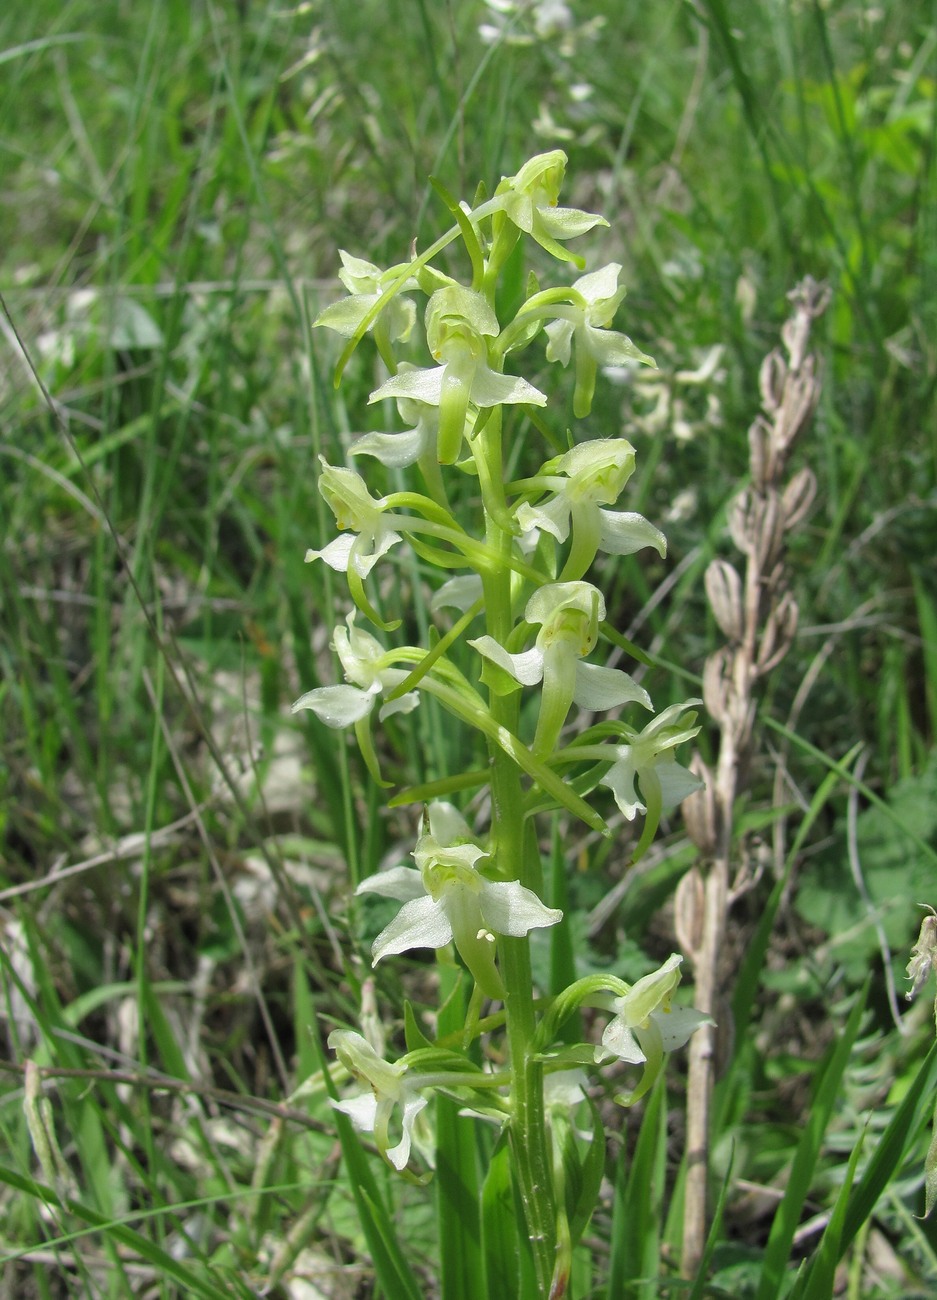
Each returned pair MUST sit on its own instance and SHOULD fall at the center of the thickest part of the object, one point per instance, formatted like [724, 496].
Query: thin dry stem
[758, 616]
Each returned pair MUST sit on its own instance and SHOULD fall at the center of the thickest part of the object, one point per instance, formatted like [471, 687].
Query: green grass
[177, 179]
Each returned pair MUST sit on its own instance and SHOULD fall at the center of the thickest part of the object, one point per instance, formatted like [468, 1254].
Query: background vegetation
[176, 852]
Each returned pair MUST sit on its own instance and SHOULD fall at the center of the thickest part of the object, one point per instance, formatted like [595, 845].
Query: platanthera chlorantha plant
[520, 650]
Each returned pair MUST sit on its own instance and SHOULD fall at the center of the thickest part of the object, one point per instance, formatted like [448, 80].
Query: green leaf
[787, 1217]
[818, 1281]
[637, 1216]
[458, 1220]
[888, 1155]
[501, 1245]
[590, 1173]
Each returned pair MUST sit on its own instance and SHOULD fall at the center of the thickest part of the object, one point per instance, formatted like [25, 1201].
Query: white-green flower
[369, 675]
[584, 480]
[529, 201]
[388, 1087]
[648, 759]
[447, 900]
[569, 614]
[645, 1024]
[370, 531]
[458, 320]
[583, 324]
[365, 283]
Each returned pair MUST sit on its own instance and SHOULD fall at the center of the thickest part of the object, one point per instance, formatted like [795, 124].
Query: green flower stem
[529, 1138]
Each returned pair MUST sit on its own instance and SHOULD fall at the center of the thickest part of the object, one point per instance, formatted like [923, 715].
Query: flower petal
[336, 554]
[678, 1024]
[402, 883]
[620, 780]
[606, 688]
[492, 389]
[620, 1041]
[624, 532]
[421, 923]
[509, 908]
[526, 668]
[395, 450]
[400, 1154]
[676, 783]
[421, 385]
[337, 706]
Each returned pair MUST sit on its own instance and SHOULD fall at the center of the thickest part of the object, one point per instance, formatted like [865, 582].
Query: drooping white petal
[400, 1154]
[421, 385]
[551, 517]
[509, 908]
[337, 706]
[676, 782]
[623, 532]
[601, 688]
[619, 1040]
[492, 389]
[421, 923]
[526, 668]
[560, 334]
[402, 883]
[620, 780]
[395, 450]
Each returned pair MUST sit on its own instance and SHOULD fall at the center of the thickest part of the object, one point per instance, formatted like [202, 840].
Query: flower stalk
[515, 558]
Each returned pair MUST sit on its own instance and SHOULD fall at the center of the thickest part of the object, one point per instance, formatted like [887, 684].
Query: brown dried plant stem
[758, 617]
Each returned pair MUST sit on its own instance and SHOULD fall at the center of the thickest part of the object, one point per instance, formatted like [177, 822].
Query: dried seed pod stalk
[758, 616]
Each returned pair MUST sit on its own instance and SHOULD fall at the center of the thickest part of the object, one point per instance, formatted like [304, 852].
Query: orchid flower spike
[447, 900]
[569, 614]
[367, 667]
[458, 321]
[586, 478]
[583, 324]
[387, 1087]
[646, 1025]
